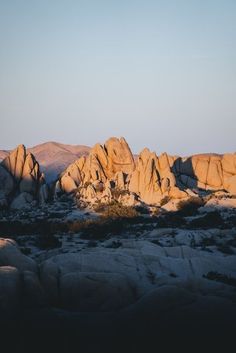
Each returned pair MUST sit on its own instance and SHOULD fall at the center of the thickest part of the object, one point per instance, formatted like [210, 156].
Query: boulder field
[133, 295]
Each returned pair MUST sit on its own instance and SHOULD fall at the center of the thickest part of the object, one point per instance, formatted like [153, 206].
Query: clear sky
[161, 73]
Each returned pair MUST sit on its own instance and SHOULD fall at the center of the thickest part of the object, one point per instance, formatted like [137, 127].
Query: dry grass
[116, 210]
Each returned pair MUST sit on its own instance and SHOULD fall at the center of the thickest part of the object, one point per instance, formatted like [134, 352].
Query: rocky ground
[78, 275]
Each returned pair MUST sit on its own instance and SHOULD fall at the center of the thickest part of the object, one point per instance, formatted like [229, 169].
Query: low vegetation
[190, 207]
[210, 220]
[115, 210]
[219, 277]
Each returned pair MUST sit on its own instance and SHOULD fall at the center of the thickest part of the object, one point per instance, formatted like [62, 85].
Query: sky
[161, 73]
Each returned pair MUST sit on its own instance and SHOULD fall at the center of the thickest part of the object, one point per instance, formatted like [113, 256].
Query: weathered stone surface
[230, 184]
[10, 255]
[34, 295]
[14, 163]
[120, 158]
[209, 171]
[151, 178]
[10, 290]
[20, 173]
[91, 291]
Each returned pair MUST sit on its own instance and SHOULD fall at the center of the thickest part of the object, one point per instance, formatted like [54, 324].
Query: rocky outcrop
[19, 281]
[10, 255]
[153, 179]
[10, 290]
[208, 172]
[102, 164]
[110, 172]
[21, 179]
[111, 169]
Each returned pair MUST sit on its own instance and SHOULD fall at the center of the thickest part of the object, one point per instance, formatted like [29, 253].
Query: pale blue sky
[160, 73]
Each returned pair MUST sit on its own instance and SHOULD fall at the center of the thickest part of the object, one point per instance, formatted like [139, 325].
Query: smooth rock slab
[10, 290]
[90, 291]
[10, 255]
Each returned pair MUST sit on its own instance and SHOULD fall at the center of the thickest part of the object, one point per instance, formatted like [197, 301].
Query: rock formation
[93, 177]
[21, 180]
[111, 169]
[150, 179]
[208, 172]
[110, 172]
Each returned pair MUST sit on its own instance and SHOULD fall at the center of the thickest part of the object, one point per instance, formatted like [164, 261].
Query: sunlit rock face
[149, 179]
[21, 179]
[153, 179]
[94, 176]
[208, 172]
[112, 167]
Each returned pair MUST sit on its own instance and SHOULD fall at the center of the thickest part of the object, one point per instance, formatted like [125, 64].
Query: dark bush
[117, 210]
[225, 249]
[189, 207]
[171, 219]
[209, 220]
[219, 277]
[47, 241]
[92, 244]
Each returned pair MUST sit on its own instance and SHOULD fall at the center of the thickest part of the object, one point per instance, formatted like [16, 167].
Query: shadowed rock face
[21, 179]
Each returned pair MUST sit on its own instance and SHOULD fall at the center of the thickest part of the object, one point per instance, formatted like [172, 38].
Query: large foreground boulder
[10, 255]
[91, 291]
[10, 290]
[88, 282]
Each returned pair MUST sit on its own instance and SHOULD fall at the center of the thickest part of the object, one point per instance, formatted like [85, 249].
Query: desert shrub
[208, 241]
[225, 249]
[219, 277]
[117, 210]
[165, 200]
[142, 209]
[209, 220]
[117, 192]
[25, 250]
[189, 207]
[156, 211]
[92, 244]
[102, 229]
[47, 241]
[171, 219]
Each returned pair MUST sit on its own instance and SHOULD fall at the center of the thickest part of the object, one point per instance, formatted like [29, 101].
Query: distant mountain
[3, 154]
[54, 157]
